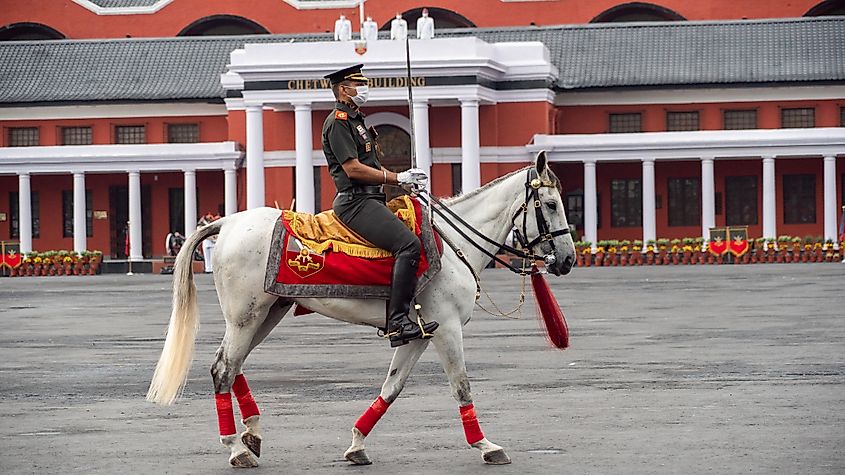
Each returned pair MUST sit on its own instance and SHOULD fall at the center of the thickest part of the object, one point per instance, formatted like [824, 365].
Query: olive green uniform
[361, 206]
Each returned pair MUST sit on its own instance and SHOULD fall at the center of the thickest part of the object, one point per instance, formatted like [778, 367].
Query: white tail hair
[171, 372]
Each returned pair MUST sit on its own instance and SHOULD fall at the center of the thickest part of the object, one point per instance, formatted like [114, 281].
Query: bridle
[533, 183]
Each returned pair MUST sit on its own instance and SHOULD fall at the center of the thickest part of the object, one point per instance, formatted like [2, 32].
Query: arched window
[828, 8]
[223, 25]
[637, 11]
[29, 31]
[443, 18]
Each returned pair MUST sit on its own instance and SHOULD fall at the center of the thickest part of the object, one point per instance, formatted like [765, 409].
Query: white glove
[413, 176]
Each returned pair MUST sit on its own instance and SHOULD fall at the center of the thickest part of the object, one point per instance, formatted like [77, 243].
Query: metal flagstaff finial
[410, 102]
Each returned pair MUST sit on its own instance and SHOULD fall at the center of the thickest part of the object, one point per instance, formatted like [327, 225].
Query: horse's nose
[568, 262]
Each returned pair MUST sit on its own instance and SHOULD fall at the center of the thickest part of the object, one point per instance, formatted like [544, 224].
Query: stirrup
[421, 323]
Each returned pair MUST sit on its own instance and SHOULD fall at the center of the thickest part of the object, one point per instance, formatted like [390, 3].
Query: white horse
[239, 267]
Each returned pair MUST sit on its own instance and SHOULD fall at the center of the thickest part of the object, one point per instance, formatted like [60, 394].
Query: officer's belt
[362, 190]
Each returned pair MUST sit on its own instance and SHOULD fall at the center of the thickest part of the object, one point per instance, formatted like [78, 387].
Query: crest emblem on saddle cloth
[304, 262]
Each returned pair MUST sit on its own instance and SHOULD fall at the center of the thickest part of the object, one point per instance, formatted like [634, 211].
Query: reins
[532, 187]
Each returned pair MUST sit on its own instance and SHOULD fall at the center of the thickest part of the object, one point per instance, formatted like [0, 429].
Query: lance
[410, 101]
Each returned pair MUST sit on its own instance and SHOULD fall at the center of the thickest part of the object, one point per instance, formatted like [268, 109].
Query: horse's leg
[404, 359]
[250, 414]
[242, 326]
[449, 344]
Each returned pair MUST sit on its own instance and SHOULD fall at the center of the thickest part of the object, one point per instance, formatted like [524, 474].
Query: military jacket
[344, 137]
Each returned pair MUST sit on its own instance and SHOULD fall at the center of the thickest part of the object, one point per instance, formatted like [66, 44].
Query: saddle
[318, 256]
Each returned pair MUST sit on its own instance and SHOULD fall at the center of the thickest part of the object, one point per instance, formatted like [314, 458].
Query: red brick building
[662, 119]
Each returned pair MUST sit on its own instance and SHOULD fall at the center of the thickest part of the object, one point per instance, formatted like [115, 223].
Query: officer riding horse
[474, 226]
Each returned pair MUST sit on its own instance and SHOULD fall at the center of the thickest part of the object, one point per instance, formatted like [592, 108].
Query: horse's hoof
[358, 457]
[496, 457]
[252, 442]
[243, 460]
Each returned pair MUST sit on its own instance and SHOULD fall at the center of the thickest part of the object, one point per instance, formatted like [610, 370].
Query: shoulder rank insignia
[341, 115]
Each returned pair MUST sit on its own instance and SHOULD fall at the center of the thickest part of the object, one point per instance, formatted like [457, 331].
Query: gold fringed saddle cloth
[318, 256]
[320, 232]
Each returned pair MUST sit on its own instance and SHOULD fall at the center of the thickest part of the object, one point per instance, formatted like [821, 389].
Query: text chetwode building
[656, 128]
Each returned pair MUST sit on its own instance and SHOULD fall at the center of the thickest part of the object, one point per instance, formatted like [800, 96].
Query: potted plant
[624, 252]
[612, 258]
[651, 250]
[587, 253]
[663, 251]
[782, 246]
[601, 246]
[808, 255]
[94, 260]
[675, 251]
[770, 250]
[795, 251]
[637, 252]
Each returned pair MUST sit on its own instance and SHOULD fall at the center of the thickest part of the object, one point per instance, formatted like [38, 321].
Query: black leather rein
[532, 193]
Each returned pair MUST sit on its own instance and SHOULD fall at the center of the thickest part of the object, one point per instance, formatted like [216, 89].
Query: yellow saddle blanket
[320, 232]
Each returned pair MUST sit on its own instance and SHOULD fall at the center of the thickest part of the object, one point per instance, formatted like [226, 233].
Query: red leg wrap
[225, 415]
[373, 413]
[246, 403]
[471, 428]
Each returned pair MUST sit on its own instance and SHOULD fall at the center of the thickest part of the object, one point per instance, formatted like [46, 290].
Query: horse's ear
[541, 162]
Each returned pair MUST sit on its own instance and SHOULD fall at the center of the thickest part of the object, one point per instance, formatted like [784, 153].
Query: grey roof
[588, 56]
[124, 3]
[690, 53]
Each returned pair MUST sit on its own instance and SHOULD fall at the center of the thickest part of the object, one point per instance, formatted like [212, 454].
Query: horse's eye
[552, 205]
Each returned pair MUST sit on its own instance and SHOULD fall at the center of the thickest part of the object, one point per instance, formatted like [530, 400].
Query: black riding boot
[400, 327]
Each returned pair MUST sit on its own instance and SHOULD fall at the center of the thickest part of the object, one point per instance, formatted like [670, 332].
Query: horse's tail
[171, 372]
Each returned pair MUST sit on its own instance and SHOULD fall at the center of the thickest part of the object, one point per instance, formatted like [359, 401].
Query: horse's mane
[461, 197]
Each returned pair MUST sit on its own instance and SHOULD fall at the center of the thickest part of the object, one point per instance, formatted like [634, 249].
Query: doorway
[118, 228]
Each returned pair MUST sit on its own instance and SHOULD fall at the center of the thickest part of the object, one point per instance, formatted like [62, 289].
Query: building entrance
[118, 224]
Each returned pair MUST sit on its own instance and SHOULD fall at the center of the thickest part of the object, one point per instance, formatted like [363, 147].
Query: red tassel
[553, 317]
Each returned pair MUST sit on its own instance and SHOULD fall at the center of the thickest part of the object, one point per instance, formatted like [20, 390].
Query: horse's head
[546, 230]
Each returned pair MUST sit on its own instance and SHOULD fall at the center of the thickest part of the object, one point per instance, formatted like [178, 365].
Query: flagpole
[410, 102]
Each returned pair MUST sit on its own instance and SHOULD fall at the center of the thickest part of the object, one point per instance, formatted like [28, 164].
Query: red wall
[212, 128]
[595, 119]
[75, 21]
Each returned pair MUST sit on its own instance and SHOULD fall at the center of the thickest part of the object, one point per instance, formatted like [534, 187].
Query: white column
[191, 218]
[230, 185]
[830, 228]
[422, 148]
[136, 252]
[25, 212]
[590, 203]
[254, 157]
[304, 159]
[708, 197]
[769, 214]
[80, 231]
[470, 146]
[649, 210]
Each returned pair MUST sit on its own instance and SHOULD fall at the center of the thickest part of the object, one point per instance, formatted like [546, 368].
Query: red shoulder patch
[341, 115]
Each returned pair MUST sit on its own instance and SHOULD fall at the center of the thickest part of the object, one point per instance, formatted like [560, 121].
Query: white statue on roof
[425, 26]
[398, 28]
[369, 30]
[342, 29]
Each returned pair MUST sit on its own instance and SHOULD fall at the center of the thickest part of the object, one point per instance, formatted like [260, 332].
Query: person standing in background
[209, 242]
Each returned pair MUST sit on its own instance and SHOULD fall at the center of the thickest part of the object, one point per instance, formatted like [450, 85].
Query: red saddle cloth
[300, 266]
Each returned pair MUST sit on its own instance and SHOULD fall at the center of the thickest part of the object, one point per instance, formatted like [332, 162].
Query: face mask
[361, 95]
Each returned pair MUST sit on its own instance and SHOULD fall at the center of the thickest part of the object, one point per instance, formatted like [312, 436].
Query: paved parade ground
[713, 369]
